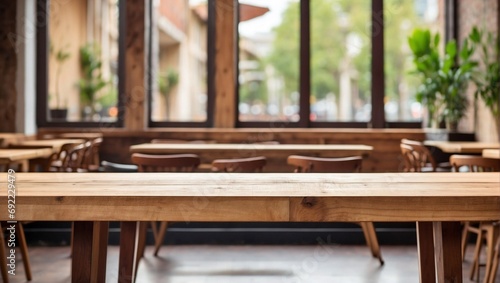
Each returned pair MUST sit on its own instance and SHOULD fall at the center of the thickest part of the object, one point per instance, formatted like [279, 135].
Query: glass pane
[400, 19]
[83, 60]
[269, 60]
[179, 40]
[340, 60]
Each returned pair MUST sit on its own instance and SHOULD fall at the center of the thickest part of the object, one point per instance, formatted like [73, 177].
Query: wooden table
[14, 155]
[463, 147]
[79, 135]
[7, 138]
[56, 144]
[438, 201]
[275, 153]
[491, 153]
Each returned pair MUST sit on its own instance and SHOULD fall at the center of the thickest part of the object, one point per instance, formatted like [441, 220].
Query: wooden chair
[306, 164]
[57, 162]
[91, 160]
[484, 230]
[241, 165]
[23, 247]
[161, 163]
[424, 160]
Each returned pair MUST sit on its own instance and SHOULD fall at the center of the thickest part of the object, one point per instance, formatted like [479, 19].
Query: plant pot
[58, 114]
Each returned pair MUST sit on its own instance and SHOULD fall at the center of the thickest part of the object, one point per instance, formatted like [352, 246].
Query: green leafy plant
[166, 82]
[61, 56]
[91, 82]
[443, 78]
[488, 80]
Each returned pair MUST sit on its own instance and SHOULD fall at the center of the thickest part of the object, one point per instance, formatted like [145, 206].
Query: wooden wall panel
[8, 66]
[135, 65]
[225, 64]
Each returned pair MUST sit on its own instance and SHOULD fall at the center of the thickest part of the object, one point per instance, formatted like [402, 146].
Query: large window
[401, 18]
[331, 63]
[80, 49]
[178, 62]
[269, 42]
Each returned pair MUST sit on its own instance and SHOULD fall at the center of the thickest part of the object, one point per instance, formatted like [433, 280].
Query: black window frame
[378, 120]
[208, 123]
[42, 72]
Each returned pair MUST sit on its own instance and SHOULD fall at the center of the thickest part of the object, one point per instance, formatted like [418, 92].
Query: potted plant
[166, 82]
[91, 82]
[60, 112]
[488, 80]
[444, 78]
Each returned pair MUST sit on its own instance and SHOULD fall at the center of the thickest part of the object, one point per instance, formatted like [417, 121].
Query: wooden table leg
[128, 244]
[447, 251]
[89, 251]
[425, 242]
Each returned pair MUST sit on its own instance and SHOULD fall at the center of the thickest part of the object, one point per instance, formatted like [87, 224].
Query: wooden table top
[256, 197]
[7, 138]
[56, 144]
[159, 148]
[491, 153]
[80, 135]
[463, 147]
[11, 155]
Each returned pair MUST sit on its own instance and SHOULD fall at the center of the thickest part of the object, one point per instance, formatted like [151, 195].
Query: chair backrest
[241, 165]
[305, 164]
[474, 163]
[91, 155]
[74, 157]
[422, 153]
[166, 163]
[410, 158]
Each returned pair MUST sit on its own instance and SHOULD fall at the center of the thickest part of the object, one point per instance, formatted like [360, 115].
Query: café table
[7, 138]
[8, 156]
[491, 153]
[438, 202]
[275, 153]
[56, 144]
[463, 147]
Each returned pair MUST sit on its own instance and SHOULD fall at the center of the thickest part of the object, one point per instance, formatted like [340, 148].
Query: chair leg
[496, 262]
[465, 236]
[161, 236]
[3, 258]
[141, 243]
[371, 240]
[24, 251]
[491, 235]
[477, 251]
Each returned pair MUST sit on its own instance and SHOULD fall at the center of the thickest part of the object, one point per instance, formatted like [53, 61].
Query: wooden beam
[135, 65]
[8, 65]
[377, 67]
[225, 64]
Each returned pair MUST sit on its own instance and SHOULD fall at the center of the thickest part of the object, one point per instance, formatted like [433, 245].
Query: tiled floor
[235, 264]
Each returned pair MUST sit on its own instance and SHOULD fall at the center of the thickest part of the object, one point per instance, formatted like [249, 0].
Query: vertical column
[135, 64]
[8, 65]
[225, 63]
